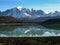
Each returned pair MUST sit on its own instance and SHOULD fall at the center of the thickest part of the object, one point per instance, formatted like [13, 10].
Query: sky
[45, 5]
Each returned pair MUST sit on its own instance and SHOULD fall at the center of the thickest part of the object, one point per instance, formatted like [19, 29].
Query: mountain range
[23, 14]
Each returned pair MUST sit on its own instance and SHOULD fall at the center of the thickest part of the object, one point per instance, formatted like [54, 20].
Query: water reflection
[28, 30]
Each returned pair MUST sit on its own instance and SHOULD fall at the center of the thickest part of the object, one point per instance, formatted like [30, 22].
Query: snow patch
[27, 14]
[2, 35]
[19, 8]
[27, 31]
[49, 34]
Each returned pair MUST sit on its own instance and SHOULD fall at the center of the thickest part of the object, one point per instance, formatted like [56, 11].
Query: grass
[30, 40]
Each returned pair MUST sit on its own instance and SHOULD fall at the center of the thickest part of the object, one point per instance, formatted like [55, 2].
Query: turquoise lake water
[32, 30]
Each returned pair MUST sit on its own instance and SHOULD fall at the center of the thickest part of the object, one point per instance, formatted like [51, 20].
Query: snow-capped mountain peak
[19, 8]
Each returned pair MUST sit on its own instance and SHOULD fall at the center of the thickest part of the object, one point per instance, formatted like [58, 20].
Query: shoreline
[18, 24]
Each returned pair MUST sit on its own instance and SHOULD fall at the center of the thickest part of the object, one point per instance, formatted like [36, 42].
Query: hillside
[8, 20]
[52, 21]
[52, 24]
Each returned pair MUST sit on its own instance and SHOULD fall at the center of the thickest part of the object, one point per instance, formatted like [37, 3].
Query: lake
[28, 31]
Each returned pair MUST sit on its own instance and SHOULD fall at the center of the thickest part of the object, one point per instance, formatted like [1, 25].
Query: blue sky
[46, 5]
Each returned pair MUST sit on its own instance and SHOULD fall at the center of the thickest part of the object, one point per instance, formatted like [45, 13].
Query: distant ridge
[26, 15]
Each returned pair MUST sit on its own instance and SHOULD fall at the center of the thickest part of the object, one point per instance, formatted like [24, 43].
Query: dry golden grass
[30, 40]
